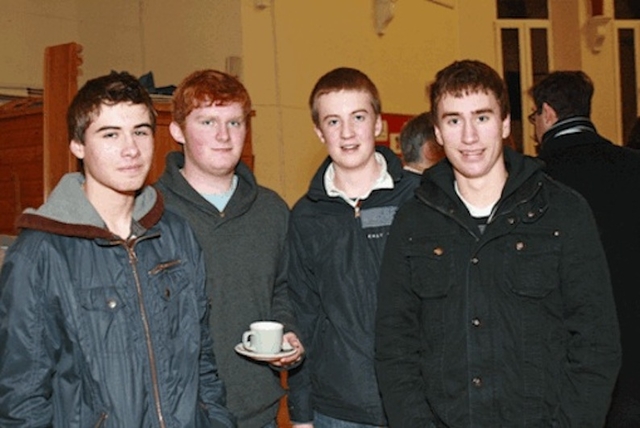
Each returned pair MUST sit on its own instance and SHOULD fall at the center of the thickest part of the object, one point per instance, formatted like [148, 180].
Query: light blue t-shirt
[220, 200]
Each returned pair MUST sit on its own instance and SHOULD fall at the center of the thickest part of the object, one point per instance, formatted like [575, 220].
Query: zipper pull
[356, 208]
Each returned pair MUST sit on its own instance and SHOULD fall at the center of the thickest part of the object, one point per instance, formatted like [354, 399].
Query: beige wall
[285, 47]
[290, 44]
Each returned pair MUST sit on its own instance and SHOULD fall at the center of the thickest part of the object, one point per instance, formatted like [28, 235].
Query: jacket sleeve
[28, 333]
[397, 341]
[593, 348]
[307, 308]
[212, 390]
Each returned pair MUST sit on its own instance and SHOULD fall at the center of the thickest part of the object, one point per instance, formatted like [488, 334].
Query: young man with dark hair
[337, 234]
[103, 312]
[242, 229]
[420, 150]
[495, 305]
[607, 175]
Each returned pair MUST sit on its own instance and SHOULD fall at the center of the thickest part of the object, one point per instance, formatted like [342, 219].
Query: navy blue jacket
[104, 332]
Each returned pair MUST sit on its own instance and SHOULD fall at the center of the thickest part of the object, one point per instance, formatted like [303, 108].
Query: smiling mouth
[472, 153]
[349, 147]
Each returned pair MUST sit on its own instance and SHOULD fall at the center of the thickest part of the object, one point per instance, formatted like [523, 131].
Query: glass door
[524, 48]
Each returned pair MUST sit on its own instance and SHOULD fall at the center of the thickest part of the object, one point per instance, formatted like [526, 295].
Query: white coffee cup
[264, 337]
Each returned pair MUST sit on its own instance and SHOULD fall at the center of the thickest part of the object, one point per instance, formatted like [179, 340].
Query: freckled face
[471, 131]
[348, 127]
[117, 150]
[213, 138]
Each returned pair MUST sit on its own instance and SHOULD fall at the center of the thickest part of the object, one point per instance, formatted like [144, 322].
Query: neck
[116, 211]
[482, 192]
[356, 183]
[208, 184]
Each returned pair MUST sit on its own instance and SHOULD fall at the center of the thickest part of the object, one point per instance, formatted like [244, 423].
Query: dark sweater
[246, 281]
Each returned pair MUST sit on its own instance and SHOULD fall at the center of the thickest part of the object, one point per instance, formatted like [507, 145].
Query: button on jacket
[513, 327]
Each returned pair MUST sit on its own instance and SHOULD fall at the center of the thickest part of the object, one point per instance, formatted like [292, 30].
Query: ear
[319, 133]
[506, 127]
[549, 115]
[77, 148]
[438, 134]
[176, 133]
[378, 126]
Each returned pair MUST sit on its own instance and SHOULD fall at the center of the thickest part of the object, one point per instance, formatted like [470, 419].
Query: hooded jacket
[513, 327]
[335, 258]
[104, 332]
[246, 279]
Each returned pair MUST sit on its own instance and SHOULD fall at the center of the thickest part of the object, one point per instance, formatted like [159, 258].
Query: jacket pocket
[174, 304]
[105, 317]
[431, 266]
[531, 264]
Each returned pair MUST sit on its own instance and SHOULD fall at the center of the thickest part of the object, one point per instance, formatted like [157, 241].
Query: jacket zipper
[103, 417]
[133, 260]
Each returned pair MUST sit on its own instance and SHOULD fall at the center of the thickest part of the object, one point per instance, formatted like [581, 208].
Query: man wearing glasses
[607, 176]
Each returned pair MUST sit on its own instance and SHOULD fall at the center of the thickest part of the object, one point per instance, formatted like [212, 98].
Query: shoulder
[272, 199]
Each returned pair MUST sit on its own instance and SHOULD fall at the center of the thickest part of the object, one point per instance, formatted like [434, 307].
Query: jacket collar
[437, 188]
[572, 125]
[317, 190]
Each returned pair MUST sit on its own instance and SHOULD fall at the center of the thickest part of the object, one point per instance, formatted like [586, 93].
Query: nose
[346, 130]
[131, 147]
[222, 132]
[469, 132]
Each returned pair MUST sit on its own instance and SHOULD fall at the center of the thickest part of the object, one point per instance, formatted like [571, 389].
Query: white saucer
[240, 349]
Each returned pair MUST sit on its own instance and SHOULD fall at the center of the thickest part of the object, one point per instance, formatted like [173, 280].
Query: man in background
[418, 143]
[495, 306]
[242, 229]
[337, 235]
[608, 176]
[104, 320]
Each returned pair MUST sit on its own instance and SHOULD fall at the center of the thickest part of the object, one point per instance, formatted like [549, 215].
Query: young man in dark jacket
[496, 308]
[337, 235]
[608, 176]
[103, 312]
[241, 227]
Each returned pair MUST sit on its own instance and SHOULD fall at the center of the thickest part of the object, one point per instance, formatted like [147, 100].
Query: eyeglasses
[532, 116]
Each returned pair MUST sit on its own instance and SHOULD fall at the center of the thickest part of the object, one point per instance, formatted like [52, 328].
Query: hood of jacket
[318, 192]
[68, 212]
[172, 181]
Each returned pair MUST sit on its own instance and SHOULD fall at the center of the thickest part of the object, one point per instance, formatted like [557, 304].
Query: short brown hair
[340, 79]
[111, 89]
[208, 87]
[465, 77]
[569, 93]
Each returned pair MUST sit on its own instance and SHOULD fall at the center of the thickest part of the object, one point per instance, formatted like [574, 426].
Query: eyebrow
[116, 128]
[359, 111]
[475, 112]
